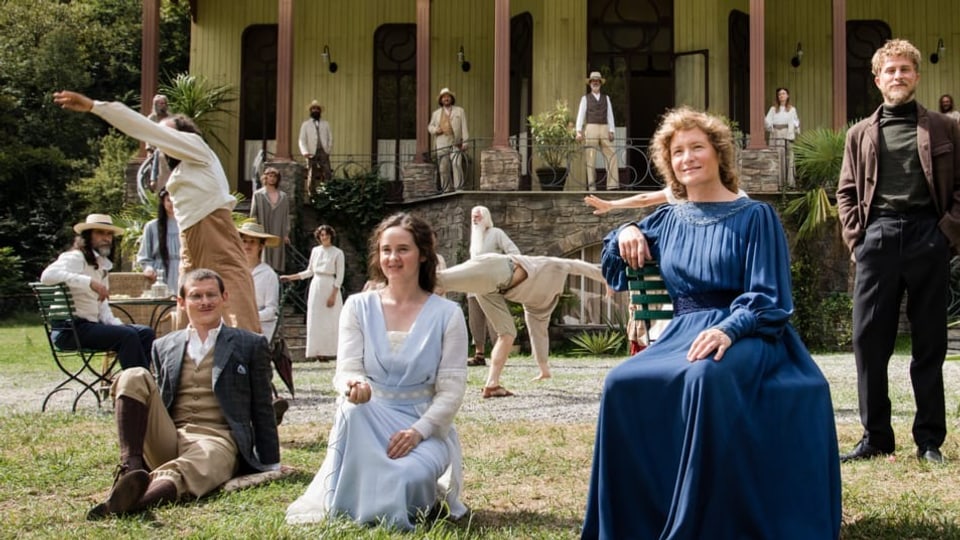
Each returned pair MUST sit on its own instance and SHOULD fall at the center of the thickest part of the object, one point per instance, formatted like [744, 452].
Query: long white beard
[477, 232]
[104, 251]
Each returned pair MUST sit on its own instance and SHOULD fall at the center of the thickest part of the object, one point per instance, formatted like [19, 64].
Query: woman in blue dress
[160, 244]
[723, 427]
[393, 453]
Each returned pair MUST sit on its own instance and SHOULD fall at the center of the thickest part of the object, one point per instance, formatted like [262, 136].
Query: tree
[91, 46]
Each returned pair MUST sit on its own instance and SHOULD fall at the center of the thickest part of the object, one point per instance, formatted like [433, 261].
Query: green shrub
[353, 205]
[103, 193]
[607, 342]
[824, 321]
[11, 266]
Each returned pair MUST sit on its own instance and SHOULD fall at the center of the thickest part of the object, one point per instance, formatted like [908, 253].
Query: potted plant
[553, 143]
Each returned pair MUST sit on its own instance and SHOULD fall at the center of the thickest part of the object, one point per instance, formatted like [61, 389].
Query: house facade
[376, 66]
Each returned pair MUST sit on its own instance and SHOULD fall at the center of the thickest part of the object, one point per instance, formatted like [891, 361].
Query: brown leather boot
[125, 495]
[159, 492]
[131, 430]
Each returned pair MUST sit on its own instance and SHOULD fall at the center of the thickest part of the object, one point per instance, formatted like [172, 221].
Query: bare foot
[541, 377]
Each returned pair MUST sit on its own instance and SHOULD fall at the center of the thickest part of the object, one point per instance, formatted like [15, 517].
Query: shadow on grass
[519, 521]
[898, 527]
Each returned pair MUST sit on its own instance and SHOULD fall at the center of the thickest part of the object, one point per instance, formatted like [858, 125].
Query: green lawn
[524, 479]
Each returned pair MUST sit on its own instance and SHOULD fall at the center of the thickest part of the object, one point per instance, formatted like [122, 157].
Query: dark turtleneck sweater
[901, 185]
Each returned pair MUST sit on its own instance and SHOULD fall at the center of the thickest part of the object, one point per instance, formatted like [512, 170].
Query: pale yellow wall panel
[808, 22]
[923, 23]
[559, 53]
[215, 53]
[470, 25]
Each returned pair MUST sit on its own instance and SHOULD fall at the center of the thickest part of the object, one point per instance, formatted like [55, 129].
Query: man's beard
[477, 232]
[898, 96]
[104, 251]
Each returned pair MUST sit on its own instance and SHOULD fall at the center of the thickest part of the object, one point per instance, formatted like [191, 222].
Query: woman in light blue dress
[160, 244]
[393, 453]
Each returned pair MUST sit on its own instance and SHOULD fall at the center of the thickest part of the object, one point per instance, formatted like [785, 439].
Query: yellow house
[376, 65]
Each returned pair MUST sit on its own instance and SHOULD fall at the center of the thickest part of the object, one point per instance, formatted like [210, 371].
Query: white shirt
[198, 348]
[197, 186]
[71, 268]
[779, 116]
[266, 288]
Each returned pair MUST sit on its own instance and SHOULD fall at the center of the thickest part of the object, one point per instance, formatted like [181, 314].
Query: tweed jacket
[241, 382]
[938, 142]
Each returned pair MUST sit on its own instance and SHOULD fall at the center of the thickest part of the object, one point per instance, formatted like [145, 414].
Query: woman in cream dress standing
[783, 126]
[324, 301]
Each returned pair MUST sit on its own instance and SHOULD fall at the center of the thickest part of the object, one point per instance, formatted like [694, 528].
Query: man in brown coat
[899, 204]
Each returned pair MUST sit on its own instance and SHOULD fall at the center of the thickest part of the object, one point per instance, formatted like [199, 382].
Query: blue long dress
[418, 379]
[741, 448]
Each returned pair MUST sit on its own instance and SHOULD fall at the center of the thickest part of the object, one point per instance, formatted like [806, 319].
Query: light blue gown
[741, 448]
[414, 376]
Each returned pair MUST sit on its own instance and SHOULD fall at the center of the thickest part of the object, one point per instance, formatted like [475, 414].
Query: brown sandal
[495, 391]
[477, 360]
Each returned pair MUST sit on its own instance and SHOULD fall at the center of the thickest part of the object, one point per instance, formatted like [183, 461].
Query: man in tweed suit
[206, 415]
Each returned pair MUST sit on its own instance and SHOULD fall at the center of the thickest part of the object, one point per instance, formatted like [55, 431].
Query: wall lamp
[462, 60]
[935, 57]
[797, 56]
[325, 55]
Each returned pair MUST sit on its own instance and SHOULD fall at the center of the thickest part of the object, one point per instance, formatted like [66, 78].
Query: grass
[526, 477]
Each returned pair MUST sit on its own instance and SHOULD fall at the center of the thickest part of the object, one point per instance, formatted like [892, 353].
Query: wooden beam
[839, 64]
[423, 80]
[757, 72]
[284, 77]
[501, 74]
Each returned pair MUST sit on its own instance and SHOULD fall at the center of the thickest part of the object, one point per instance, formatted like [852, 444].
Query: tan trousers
[485, 277]
[598, 135]
[450, 160]
[195, 458]
[214, 243]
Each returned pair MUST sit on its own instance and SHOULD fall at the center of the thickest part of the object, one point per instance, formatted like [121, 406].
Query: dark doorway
[258, 100]
[631, 43]
[394, 97]
[863, 39]
[521, 85]
[738, 43]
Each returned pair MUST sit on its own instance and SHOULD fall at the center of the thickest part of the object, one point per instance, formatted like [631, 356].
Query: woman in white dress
[324, 301]
[393, 453]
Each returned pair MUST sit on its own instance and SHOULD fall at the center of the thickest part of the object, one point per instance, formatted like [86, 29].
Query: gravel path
[571, 396]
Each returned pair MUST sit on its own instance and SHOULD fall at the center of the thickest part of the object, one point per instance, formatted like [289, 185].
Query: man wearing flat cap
[316, 144]
[449, 125]
[595, 128]
[85, 270]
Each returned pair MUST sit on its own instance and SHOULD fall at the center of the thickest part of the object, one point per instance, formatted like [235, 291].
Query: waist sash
[704, 301]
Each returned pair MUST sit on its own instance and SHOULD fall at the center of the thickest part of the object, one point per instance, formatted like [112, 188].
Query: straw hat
[446, 91]
[316, 104]
[102, 222]
[255, 230]
[595, 75]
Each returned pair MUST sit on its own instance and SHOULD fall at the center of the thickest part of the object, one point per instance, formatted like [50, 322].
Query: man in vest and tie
[595, 127]
[316, 144]
[449, 125]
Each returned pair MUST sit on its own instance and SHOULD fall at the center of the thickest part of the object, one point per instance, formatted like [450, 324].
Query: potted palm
[553, 143]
